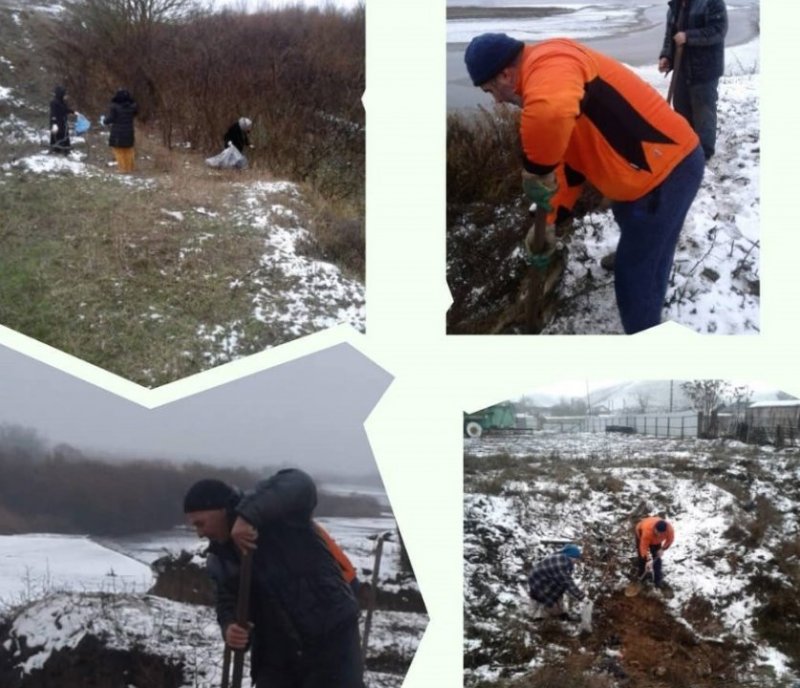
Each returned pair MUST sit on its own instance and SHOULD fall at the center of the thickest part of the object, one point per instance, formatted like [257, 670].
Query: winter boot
[608, 262]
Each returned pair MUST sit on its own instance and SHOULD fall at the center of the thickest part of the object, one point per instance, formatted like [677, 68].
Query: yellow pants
[124, 157]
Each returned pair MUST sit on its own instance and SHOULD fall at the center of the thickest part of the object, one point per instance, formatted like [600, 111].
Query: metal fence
[680, 424]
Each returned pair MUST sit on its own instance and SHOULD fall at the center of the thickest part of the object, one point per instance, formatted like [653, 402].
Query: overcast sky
[307, 413]
[577, 388]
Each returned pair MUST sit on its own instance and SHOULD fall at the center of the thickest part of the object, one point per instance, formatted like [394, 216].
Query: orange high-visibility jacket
[647, 535]
[591, 118]
[348, 570]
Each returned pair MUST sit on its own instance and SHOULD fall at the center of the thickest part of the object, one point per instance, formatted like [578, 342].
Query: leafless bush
[483, 161]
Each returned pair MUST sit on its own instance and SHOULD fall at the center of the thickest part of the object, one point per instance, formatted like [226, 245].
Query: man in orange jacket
[587, 117]
[653, 537]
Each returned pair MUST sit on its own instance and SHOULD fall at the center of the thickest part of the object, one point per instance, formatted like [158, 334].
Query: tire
[473, 429]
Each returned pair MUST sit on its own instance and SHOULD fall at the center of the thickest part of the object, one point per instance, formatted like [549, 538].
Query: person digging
[654, 536]
[588, 118]
[302, 628]
[550, 578]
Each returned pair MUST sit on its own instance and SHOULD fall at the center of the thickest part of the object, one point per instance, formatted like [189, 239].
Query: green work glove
[540, 188]
[541, 260]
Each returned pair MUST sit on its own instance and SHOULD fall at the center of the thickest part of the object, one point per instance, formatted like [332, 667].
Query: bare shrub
[483, 157]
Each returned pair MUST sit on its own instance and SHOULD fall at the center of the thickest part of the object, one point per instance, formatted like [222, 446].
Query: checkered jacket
[551, 578]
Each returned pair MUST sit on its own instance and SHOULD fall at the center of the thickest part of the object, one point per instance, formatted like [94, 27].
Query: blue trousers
[698, 104]
[658, 575]
[649, 230]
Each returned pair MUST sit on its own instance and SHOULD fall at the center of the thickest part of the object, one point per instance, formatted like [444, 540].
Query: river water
[629, 30]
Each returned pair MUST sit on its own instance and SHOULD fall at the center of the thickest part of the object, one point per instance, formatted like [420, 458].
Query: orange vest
[348, 570]
[591, 118]
[647, 535]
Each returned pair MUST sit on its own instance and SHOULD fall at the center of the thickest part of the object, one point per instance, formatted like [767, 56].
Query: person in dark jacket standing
[700, 27]
[238, 134]
[304, 617]
[120, 116]
[550, 578]
[59, 110]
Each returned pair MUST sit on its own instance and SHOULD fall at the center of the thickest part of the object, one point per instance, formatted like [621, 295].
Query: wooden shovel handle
[536, 277]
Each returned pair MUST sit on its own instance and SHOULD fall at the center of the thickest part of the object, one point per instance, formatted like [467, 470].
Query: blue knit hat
[572, 551]
[661, 526]
[488, 54]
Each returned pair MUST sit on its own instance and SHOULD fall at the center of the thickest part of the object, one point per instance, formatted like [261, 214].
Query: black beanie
[208, 494]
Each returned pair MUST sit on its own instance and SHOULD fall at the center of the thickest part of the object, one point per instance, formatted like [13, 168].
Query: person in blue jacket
[700, 27]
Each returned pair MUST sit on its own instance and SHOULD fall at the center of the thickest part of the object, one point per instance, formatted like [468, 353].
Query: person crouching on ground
[588, 118]
[121, 114]
[550, 578]
[238, 134]
[304, 618]
[653, 537]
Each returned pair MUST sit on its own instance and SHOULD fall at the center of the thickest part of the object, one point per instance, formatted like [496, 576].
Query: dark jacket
[237, 136]
[120, 116]
[58, 116]
[551, 578]
[298, 594]
[705, 23]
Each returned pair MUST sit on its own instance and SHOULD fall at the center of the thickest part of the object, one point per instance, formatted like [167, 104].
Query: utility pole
[671, 383]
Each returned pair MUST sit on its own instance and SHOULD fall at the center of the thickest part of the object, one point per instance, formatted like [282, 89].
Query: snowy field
[36, 565]
[734, 510]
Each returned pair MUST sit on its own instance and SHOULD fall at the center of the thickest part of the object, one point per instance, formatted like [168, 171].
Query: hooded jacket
[120, 116]
[588, 117]
[705, 23]
[647, 536]
[58, 116]
[298, 592]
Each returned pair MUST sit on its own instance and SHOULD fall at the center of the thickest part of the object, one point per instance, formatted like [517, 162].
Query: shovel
[675, 68]
[634, 588]
[534, 319]
[242, 613]
[678, 55]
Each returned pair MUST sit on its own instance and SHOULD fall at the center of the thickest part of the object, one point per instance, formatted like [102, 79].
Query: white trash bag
[230, 158]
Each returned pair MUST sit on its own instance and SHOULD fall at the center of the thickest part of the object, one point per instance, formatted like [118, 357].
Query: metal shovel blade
[633, 589]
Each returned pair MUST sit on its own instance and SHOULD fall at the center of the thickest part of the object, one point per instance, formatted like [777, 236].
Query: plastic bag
[230, 158]
[82, 124]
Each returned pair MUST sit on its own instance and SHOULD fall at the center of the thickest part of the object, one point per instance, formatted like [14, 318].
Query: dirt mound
[90, 664]
[656, 650]
[182, 579]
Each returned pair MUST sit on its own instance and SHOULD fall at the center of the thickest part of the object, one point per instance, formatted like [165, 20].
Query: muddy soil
[93, 665]
[655, 651]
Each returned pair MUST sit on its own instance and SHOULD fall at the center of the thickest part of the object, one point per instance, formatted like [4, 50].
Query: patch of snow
[34, 565]
[174, 214]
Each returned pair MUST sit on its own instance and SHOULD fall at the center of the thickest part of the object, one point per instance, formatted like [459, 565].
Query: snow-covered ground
[65, 589]
[34, 565]
[733, 507]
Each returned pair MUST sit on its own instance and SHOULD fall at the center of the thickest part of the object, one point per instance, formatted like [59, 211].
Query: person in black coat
[121, 114]
[238, 134]
[303, 616]
[59, 132]
[700, 27]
